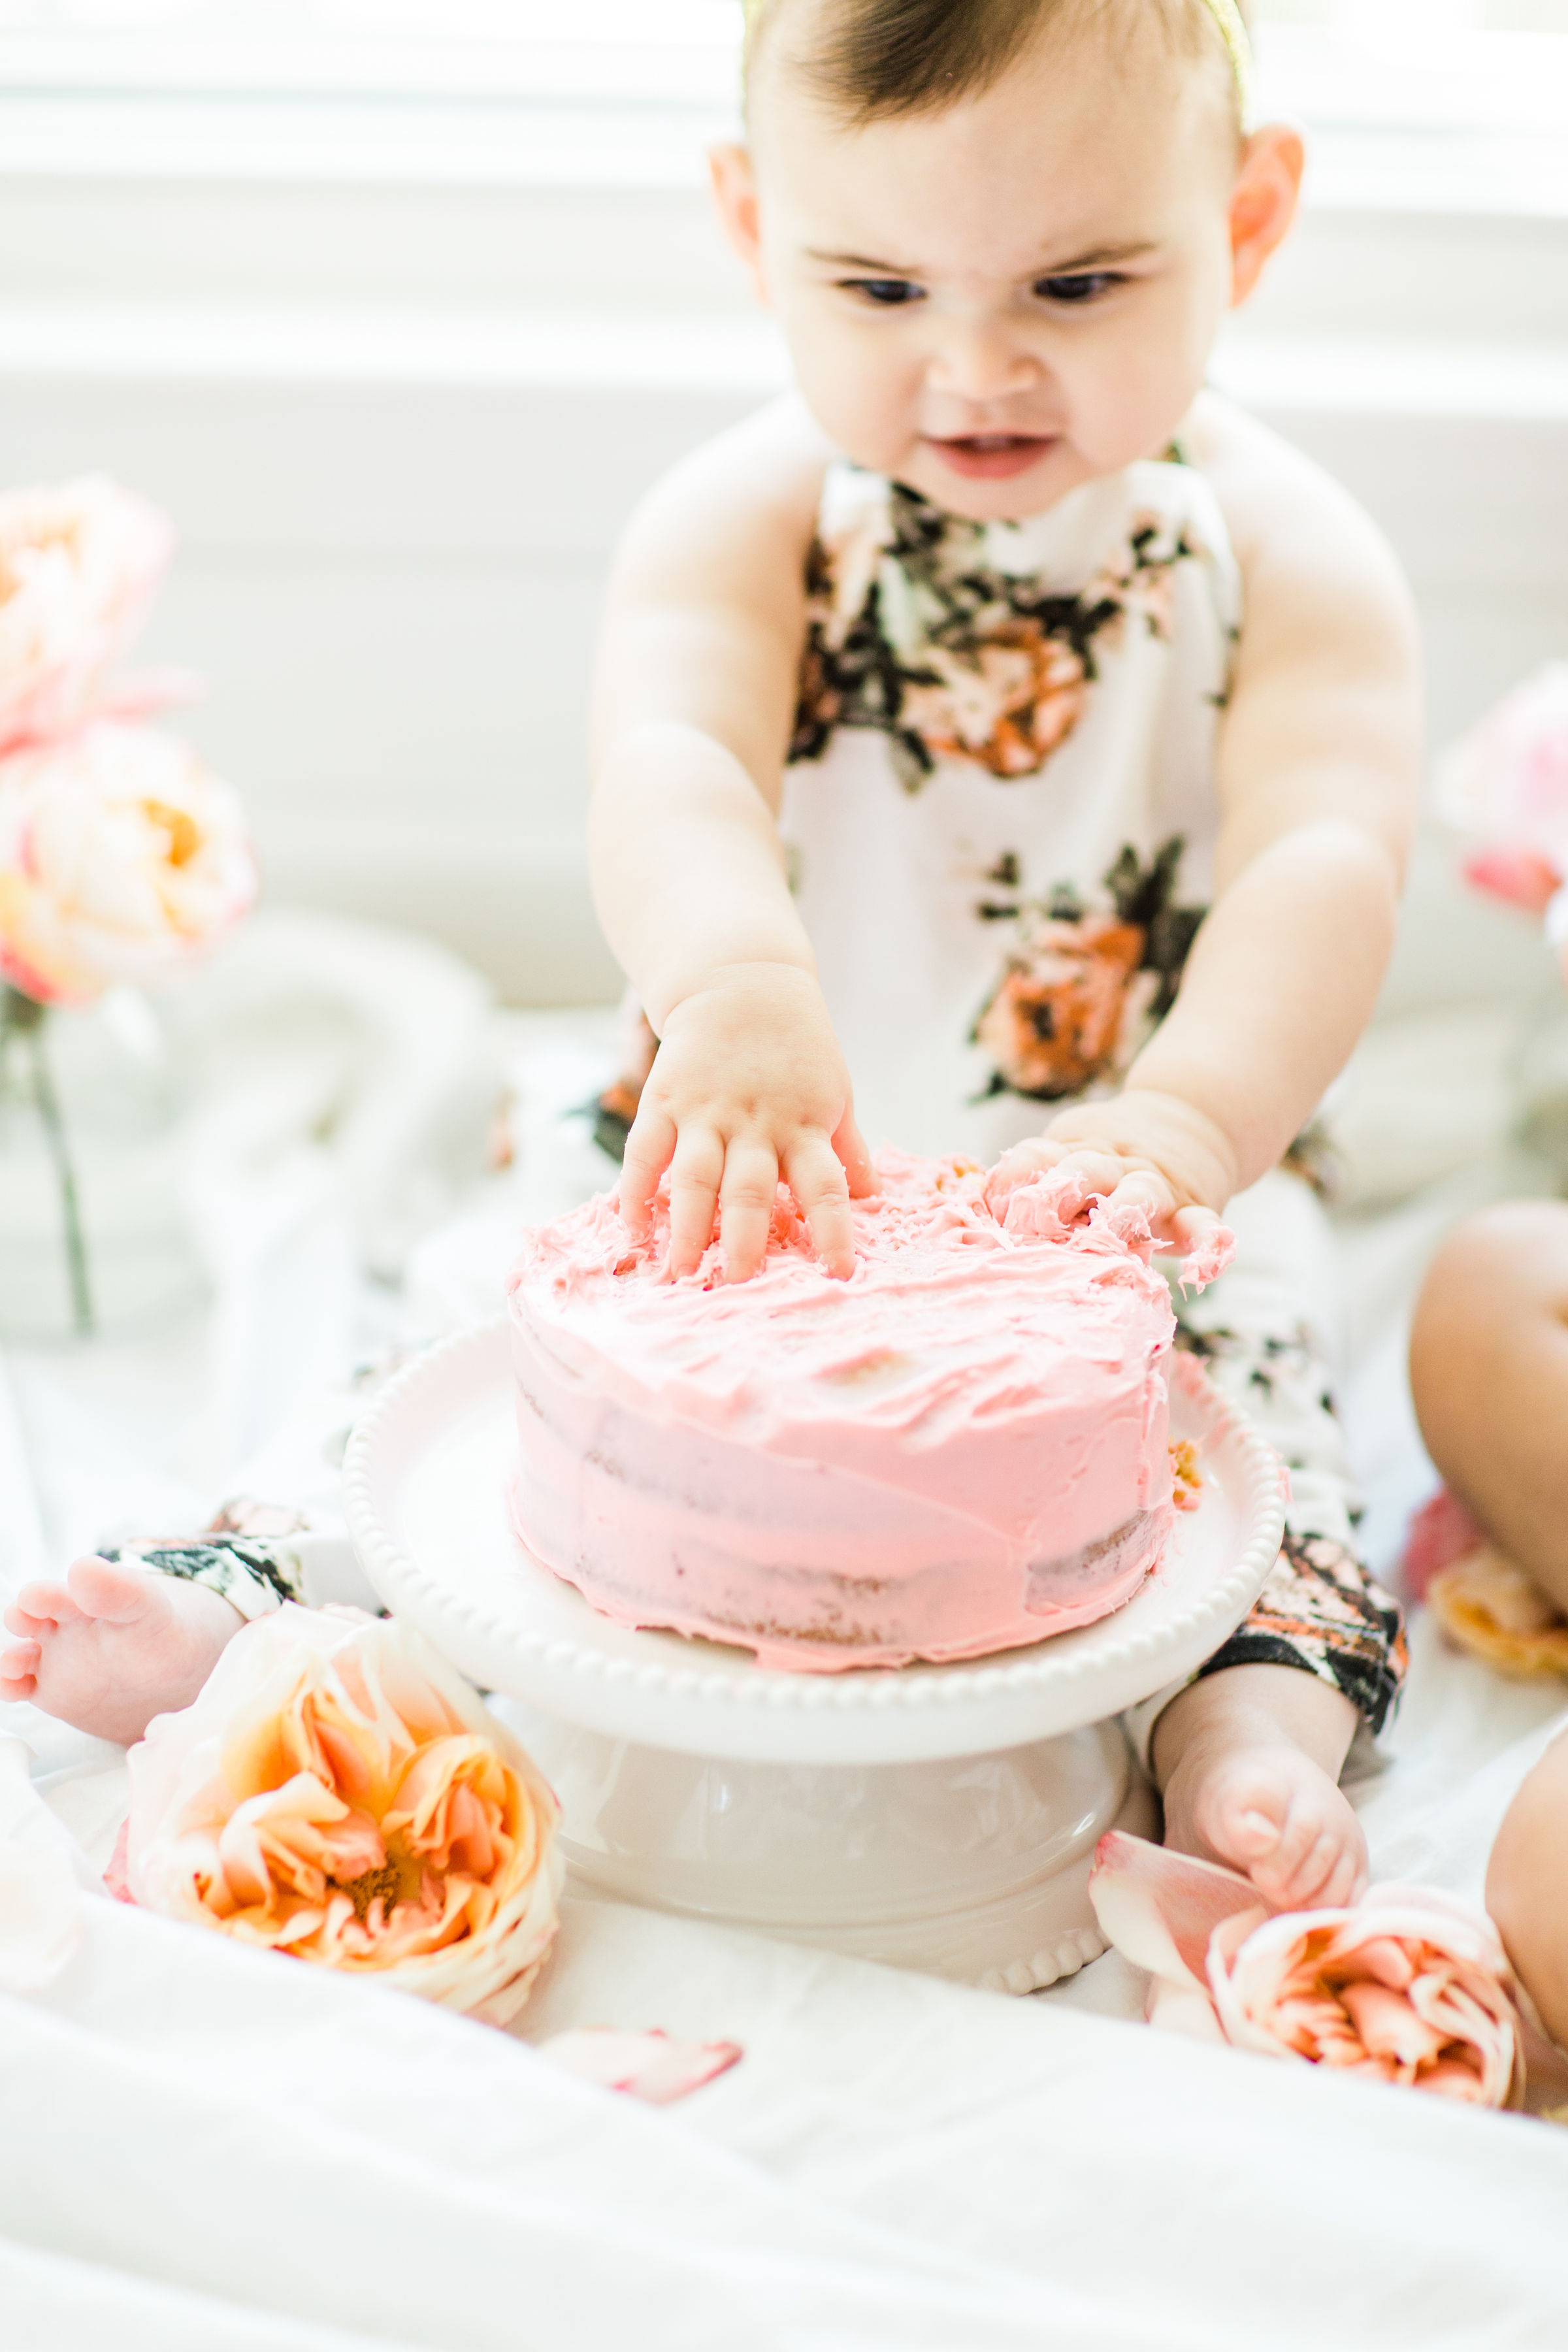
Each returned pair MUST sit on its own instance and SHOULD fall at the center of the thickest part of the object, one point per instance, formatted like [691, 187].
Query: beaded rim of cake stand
[925, 1683]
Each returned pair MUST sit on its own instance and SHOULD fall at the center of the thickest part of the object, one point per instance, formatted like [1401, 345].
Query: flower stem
[24, 1016]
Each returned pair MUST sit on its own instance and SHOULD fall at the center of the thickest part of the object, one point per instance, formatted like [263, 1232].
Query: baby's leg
[1248, 1756]
[1248, 1760]
[111, 1646]
[1527, 1887]
[137, 1635]
[1488, 1371]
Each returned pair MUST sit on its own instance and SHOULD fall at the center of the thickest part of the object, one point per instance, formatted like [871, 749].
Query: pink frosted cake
[960, 1450]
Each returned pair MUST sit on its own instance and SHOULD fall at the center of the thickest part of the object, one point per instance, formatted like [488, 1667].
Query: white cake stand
[936, 1817]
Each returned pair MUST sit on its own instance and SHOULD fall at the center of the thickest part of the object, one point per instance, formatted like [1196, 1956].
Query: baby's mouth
[991, 456]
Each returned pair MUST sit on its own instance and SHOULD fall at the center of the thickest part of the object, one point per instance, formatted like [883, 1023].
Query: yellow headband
[1227, 17]
[1237, 40]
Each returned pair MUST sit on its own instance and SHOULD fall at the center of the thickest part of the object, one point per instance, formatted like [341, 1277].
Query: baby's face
[996, 303]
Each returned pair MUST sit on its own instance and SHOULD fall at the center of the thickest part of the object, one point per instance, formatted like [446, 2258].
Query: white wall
[398, 414]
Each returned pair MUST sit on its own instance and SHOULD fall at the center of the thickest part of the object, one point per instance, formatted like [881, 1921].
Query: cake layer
[959, 1450]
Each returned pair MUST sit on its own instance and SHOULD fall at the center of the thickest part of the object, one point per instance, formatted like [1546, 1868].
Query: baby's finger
[1023, 1162]
[1315, 1876]
[694, 1175]
[650, 1146]
[1343, 1886]
[1206, 1246]
[850, 1145]
[1092, 1175]
[746, 1199]
[1278, 1872]
[819, 1180]
[1149, 1193]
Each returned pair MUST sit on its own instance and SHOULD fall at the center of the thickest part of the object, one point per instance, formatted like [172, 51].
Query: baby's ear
[735, 183]
[1263, 203]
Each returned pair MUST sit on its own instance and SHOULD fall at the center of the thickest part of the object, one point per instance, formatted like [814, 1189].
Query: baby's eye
[1082, 286]
[886, 292]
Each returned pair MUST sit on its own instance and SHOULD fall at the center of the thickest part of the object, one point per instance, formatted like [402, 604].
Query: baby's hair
[879, 58]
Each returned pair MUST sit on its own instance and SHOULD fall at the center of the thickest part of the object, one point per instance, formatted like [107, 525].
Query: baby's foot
[111, 1647]
[1270, 1812]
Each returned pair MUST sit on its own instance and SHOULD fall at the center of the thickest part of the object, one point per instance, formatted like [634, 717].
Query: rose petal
[1455, 2078]
[1386, 1961]
[651, 2066]
[1160, 1907]
[1388, 2025]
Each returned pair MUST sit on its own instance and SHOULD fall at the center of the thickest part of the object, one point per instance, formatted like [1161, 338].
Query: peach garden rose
[121, 857]
[1406, 1987]
[78, 563]
[337, 1792]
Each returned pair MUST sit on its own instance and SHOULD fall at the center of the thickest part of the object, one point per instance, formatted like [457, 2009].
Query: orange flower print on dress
[915, 628]
[1006, 707]
[1083, 986]
[1054, 1023]
[612, 1112]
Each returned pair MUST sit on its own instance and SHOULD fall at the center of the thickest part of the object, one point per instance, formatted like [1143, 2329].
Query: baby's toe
[19, 1670]
[102, 1588]
[39, 1608]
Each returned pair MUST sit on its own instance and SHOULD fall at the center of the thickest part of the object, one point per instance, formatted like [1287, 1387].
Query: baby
[1488, 1371]
[1005, 720]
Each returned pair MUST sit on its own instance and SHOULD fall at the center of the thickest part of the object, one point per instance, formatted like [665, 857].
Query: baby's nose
[982, 362]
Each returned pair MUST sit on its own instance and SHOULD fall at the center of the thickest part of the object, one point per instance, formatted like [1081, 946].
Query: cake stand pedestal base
[971, 1867]
[941, 1818]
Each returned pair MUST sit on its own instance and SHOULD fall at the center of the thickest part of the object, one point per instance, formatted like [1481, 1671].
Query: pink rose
[1506, 786]
[1407, 1987]
[1057, 1016]
[1441, 1532]
[338, 1793]
[78, 563]
[121, 856]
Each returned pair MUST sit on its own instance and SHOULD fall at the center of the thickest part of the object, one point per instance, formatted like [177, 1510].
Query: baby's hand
[1272, 1814]
[749, 1087]
[1142, 1150]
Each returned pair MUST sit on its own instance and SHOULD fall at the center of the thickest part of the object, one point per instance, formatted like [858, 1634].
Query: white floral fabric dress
[1000, 813]
[1000, 805]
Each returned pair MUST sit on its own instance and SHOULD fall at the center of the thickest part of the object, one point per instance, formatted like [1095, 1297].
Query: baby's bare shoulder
[1304, 544]
[733, 519]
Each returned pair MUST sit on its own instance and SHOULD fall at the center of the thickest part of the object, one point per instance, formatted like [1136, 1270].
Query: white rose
[121, 856]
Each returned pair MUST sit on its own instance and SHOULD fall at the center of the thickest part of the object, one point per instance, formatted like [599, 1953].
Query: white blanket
[206, 2148]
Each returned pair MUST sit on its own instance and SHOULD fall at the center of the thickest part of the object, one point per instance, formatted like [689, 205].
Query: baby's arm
[1316, 771]
[694, 702]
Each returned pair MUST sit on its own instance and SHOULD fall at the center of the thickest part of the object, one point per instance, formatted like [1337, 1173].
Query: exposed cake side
[960, 1450]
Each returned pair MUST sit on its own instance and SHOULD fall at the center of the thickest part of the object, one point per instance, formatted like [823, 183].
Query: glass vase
[93, 1236]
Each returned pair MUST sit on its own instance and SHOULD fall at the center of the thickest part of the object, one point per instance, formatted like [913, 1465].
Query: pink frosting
[960, 1449]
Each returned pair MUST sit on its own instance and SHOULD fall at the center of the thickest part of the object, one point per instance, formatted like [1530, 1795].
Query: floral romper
[1000, 816]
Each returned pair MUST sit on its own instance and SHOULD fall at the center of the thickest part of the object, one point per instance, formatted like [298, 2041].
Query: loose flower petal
[649, 2066]
[1159, 1908]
